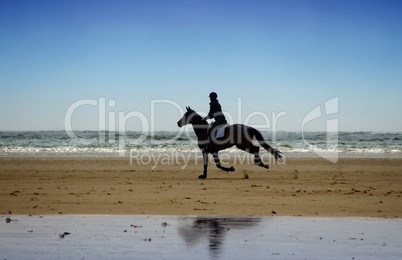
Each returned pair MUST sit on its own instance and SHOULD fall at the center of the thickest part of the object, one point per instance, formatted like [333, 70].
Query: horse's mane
[197, 117]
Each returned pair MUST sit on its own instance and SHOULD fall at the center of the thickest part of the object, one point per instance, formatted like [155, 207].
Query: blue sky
[275, 56]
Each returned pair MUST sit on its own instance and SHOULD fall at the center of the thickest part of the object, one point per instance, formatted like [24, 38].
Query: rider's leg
[211, 133]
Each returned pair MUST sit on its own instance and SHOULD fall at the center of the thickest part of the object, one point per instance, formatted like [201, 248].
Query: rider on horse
[215, 112]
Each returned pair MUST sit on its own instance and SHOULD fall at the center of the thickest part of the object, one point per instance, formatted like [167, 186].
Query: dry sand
[301, 187]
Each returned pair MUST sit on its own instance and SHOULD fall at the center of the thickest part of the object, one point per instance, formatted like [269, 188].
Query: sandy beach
[114, 186]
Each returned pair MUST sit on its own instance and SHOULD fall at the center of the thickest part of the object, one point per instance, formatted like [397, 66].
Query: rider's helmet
[213, 95]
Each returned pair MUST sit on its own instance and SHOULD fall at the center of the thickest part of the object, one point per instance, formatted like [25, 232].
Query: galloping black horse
[239, 135]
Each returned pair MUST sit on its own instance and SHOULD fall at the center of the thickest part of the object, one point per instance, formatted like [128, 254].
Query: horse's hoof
[266, 166]
[231, 169]
[202, 177]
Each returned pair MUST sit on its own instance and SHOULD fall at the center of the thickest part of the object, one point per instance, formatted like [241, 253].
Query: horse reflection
[214, 230]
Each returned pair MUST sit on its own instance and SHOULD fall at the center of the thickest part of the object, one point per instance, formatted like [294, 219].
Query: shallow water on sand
[185, 237]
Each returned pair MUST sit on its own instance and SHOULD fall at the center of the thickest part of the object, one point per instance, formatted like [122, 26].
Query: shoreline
[307, 187]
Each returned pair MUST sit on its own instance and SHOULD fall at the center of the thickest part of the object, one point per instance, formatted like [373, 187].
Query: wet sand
[300, 187]
[191, 237]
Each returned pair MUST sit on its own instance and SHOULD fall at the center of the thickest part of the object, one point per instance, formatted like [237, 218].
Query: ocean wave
[57, 142]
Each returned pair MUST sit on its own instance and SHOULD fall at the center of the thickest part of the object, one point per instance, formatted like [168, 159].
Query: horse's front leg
[218, 164]
[205, 159]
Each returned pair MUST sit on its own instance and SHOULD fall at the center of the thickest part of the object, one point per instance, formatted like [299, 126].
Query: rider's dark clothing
[215, 112]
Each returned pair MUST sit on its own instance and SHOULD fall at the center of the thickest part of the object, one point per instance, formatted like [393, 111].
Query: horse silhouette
[238, 135]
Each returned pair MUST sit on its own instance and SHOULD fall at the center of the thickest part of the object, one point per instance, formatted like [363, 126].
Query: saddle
[220, 132]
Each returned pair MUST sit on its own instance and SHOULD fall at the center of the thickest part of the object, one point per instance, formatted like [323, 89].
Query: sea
[110, 144]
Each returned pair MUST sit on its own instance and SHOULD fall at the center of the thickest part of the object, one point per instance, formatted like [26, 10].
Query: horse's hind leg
[255, 150]
[258, 161]
[218, 164]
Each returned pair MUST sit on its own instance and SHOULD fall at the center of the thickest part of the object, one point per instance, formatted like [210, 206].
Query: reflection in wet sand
[189, 237]
[213, 230]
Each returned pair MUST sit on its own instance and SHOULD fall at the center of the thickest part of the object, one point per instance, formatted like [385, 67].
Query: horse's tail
[258, 136]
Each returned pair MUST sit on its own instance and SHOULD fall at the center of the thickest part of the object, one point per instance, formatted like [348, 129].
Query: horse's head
[188, 117]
